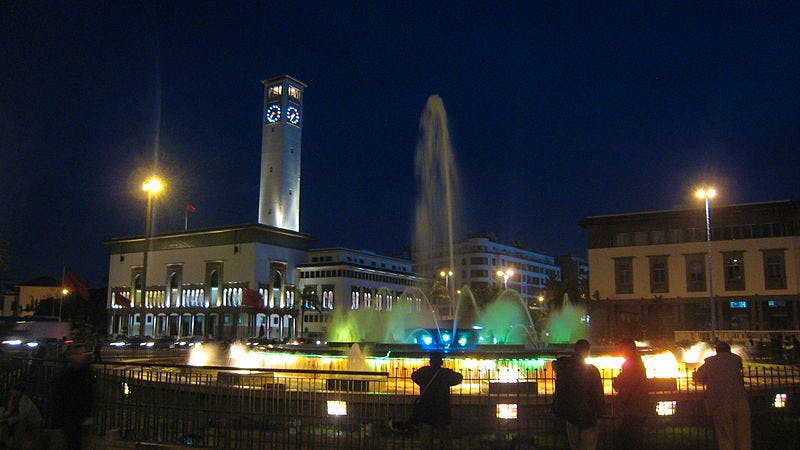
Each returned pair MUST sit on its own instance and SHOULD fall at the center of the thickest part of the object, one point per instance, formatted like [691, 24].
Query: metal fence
[221, 407]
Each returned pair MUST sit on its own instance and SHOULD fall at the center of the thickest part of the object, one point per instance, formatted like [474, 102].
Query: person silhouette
[578, 397]
[73, 396]
[432, 411]
[631, 400]
[726, 398]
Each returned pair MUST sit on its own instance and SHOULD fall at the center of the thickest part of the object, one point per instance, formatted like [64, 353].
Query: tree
[554, 293]
[485, 294]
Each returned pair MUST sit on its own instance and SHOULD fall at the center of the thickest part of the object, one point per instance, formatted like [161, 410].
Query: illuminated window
[780, 401]
[337, 408]
[506, 410]
[275, 91]
[294, 92]
[666, 408]
[733, 269]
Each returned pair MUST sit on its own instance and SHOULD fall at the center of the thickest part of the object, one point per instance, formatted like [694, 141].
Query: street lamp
[707, 194]
[506, 274]
[446, 274]
[64, 293]
[152, 186]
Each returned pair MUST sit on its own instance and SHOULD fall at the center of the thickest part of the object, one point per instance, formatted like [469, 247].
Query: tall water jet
[566, 324]
[437, 209]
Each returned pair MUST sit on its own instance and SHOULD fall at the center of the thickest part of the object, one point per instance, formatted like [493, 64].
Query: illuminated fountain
[499, 341]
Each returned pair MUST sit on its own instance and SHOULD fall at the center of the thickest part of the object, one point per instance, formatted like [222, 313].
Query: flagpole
[185, 218]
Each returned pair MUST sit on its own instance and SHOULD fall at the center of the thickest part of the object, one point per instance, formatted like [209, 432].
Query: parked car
[164, 342]
[189, 341]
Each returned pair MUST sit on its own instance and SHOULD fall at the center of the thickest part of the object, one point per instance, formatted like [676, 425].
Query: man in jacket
[726, 398]
[433, 408]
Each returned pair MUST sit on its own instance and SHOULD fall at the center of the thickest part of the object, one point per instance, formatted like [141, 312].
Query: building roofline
[358, 266]
[212, 230]
[360, 252]
[584, 221]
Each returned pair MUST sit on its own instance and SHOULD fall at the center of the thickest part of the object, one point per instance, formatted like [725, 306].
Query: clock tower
[282, 126]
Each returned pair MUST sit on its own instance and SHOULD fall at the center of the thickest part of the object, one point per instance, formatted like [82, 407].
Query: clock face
[272, 114]
[292, 115]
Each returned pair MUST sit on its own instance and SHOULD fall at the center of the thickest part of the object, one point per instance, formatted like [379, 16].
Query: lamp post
[506, 274]
[446, 274]
[707, 194]
[64, 293]
[152, 186]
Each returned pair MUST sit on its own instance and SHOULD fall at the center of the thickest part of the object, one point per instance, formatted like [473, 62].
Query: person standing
[73, 396]
[20, 421]
[631, 400]
[578, 397]
[726, 398]
[433, 409]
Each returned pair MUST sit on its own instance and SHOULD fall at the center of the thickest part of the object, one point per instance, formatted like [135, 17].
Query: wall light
[780, 401]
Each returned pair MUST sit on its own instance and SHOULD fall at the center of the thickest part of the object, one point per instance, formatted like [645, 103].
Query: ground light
[666, 408]
[506, 410]
[337, 408]
[780, 401]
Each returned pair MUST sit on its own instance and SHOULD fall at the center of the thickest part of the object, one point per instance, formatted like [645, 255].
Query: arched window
[137, 290]
[174, 290]
[290, 299]
[277, 284]
[213, 286]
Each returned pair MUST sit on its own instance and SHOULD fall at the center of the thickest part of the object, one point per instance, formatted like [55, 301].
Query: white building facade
[197, 282]
[339, 280]
[478, 261]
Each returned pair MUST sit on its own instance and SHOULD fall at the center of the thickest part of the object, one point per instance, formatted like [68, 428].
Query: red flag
[75, 284]
[121, 300]
[252, 297]
[191, 208]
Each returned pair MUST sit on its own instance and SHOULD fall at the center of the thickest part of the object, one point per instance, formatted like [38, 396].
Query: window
[695, 234]
[733, 268]
[214, 284]
[675, 236]
[294, 92]
[622, 240]
[659, 279]
[275, 90]
[640, 238]
[136, 282]
[696, 272]
[657, 237]
[478, 261]
[213, 288]
[174, 279]
[623, 275]
[774, 269]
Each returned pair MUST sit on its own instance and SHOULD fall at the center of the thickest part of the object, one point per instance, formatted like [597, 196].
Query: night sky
[558, 111]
